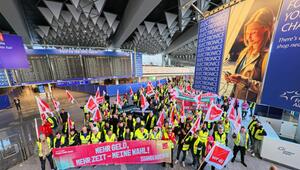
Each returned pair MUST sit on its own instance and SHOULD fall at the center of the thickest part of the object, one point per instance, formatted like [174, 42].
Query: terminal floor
[10, 117]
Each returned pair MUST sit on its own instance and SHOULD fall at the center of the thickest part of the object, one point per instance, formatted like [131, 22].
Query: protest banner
[125, 152]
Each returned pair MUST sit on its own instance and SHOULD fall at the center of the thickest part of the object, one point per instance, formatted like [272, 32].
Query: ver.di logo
[293, 96]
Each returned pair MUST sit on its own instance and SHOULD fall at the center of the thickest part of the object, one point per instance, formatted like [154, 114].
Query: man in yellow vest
[59, 140]
[203, 135]
[220, 136]
[135, 99]
[150, 121]
[110, 136]
[45, 151]
[85, 136]
[155, 134]
[240, 144]
[95, 135]
[259, 133]
[141, 133]
[186, 147]
[251, 128]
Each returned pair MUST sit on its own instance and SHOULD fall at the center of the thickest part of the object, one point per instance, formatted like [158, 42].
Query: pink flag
[119, 101]
[98, 97]
[56, 104]
[91, 104]
[70, 97]
[213, 114]
[160, 121]
[196, 125]
[97, 117]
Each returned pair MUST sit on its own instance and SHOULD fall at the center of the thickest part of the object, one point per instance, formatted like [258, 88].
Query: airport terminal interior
[149, 84]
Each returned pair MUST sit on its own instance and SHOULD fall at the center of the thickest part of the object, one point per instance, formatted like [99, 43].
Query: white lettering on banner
[119, 146]
[102, 149]
[83, 161]
[98, 158]
[219, 160]
[140, 151]
[121, 154]
[154, 157]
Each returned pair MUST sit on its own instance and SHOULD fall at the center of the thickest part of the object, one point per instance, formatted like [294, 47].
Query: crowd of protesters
[118, 125]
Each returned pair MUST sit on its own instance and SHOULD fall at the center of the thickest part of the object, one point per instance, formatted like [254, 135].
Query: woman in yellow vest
[45, 151]
[95, 135]
[59, 140]
[74, 138]
[196, 149]
[110, 136]
[85, 136]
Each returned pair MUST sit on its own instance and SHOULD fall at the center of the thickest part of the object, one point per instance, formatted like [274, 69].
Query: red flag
[172, 116]
[144, 103]
[188, 88]
[130, 92]
[43, 108]
[238, 121]
[149, 89]
[160, 121]
[98, 97]
[213, 114]
[70, 123]
[219, 156]
[70, 97]
[91, 104]
[97, 117]
[231, 111]
[196, 125]
[56, 104]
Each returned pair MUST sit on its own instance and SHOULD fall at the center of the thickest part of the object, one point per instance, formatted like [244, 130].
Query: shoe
[253, 154]
[245, 165]
[176, 162]
[232, 160]
[183, 164]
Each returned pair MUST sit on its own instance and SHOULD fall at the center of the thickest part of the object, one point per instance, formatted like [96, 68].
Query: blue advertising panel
[211, 39]
[12, 52]
[3, 79]
[282, 83]
[76, 52]
[139, 64]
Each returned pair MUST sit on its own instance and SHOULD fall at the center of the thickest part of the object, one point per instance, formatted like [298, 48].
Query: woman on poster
[251, 63]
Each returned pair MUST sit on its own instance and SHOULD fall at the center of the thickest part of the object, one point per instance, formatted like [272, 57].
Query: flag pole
[69, 127]
[36, 128]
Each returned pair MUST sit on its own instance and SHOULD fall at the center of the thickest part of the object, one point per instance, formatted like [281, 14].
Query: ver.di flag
[161, 119]
[144, 102]
[238, 122]
[213, 114]
[97, 117]
[56, 104]
[43, 109]
[219, 156]
[149, 89]
[91, 104]
[231, 111]
[196, 125]
[99, 99]
[130, 92]
[70, 97]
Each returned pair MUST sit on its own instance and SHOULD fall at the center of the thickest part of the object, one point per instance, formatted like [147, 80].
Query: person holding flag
[183, 140]
[170, 136]
[209, 145]
[241, 142]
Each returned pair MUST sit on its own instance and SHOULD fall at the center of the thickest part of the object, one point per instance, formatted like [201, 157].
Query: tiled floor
[9, 117]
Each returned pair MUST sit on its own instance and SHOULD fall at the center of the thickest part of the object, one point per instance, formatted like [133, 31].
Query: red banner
[125, 152]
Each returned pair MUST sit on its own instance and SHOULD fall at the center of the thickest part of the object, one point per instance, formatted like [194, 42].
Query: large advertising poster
[12, 52]
[211, 40]
[125, 152]
[282, 83]
[250, 29]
